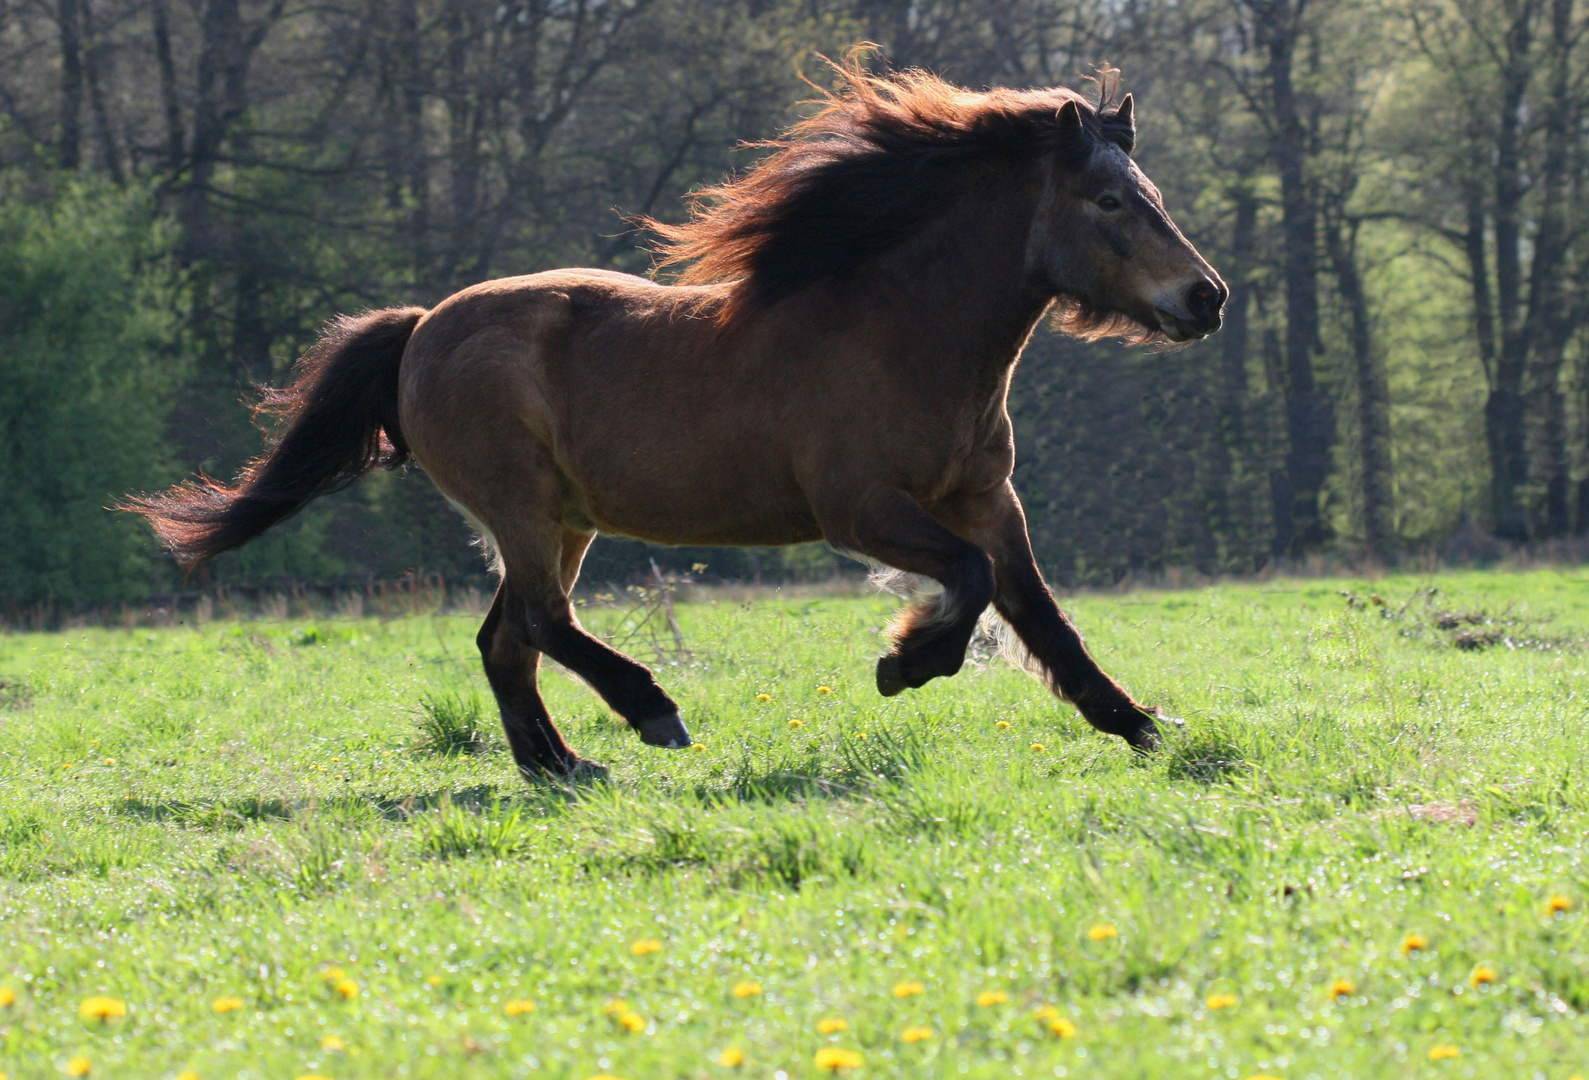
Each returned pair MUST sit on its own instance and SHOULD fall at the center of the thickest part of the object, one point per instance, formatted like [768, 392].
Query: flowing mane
[871, 166]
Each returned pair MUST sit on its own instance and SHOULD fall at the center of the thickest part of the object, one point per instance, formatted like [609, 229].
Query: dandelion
[747, 989]
[1102, 932]
[518, 1008]
[8, 997]
[732, 1058]
[797, 722]
[1342, 988]
[1443, 1051]
[333, 1044]
[824, 689]
[700, 746]
[1413, 942]
[828, 1025]
[1221, 1001]
[631, 1022]
[1002, 724]
[1263, 1076]
[187, 1074]
[1557, 904]
[916, 1034]
[101, 1009]
[227, 1004]
[78, 1066]
[312, 1076]
[605, 1076]
[861, 735]
[989, 998]
[348, 988]
[1482, 976]
[645, 947]
[763, 697]
[614, 1006]
[833, 1059]
[433, 980]
[110, 761]
[908, 989]
[332, 974]
[1038, 747]
[1060, 1027]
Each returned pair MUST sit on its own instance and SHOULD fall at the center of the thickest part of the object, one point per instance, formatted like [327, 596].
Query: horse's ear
[1072, 138]
[1121, 128]
[1069, 118]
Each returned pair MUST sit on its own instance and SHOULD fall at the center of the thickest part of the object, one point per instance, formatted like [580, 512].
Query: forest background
[1395, 191]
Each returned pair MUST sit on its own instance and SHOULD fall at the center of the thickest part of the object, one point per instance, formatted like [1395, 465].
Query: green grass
[234, 810]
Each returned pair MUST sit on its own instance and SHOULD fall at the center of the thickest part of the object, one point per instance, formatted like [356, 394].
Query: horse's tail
[340, 417]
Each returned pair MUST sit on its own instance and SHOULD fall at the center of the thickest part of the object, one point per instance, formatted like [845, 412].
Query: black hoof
[1148, 736]
[667, 732]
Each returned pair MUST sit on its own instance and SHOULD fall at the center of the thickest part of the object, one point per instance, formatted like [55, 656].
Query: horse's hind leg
[511, 668]
[929, 640]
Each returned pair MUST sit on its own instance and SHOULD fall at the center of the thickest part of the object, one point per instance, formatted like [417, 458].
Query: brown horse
[832, 364]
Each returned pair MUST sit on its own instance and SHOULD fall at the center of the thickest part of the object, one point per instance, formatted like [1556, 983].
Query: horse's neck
[959, 294]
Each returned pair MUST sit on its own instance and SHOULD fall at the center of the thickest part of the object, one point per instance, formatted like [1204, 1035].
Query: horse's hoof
[890, 675]
[586, 772]
[667, 732]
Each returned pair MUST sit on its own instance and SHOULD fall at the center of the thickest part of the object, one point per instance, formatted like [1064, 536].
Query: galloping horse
[832, 363]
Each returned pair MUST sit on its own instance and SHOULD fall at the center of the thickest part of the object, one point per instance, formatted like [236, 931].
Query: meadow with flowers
[253, 851]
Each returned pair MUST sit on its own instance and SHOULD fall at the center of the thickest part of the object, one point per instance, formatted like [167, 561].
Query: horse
[830, 362]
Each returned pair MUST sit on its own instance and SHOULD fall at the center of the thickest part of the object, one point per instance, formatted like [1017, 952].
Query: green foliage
[196, 813]
[87, 372]
[453, 722]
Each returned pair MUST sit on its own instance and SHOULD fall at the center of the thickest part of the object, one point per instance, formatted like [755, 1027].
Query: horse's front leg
[995, 522]
[929, 639]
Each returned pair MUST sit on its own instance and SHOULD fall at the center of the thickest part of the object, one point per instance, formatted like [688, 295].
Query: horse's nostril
[1204, 300]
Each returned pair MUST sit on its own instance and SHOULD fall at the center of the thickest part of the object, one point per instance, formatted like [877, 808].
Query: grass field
[241, 835]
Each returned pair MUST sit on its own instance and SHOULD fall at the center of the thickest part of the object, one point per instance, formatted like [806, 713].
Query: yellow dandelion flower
[797, 722]
[908, 989]
[1413, 942]
[830, 1024]
[1557, 904]
[763, 697]
[110, 761]
[227, 1004]
[645, 947]
[333, 1044]
[102, 1009]
[348, 988]
[833, 1059]
[1263, 1076]
[1221, 1001]
[824, 689]
[332, 974]
[732, 1057]
[518, 1008]
[605, 1076]
[312, 1076]
[1342, 988]
[8, 997]
[1443, 1051]
[747, 989]
[700, 746]
[861, 735]
[1482, 976]
[1102, 932]
[631, 1021]
[1061, 1027]
[916, 1034]
[992, 997]
[1038, 747]
[1002, 724]
[433, 980]
[78, 1066]
[187, 1074]
[614, 1006]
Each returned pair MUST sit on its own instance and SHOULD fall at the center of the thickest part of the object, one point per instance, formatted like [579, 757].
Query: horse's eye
[1109, 203]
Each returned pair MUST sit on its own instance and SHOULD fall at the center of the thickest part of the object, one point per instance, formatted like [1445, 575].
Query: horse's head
[1105, 245]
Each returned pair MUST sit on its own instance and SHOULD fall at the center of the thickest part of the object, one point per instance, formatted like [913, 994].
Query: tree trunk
[69, 149]
[1373, 394]
[170, 108]
[1503, 411]
[1309, 415]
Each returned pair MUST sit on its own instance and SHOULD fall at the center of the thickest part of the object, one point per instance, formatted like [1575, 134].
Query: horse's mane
[878, 158]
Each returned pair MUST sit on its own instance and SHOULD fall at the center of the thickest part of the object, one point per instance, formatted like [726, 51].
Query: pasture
[1364, 858]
